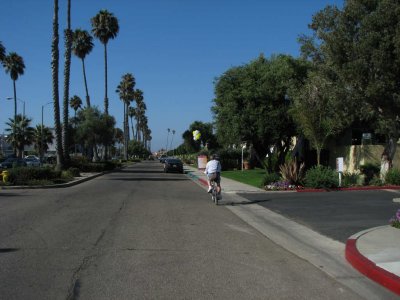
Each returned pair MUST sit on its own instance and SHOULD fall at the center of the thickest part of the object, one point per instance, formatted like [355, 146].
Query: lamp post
[41, 133]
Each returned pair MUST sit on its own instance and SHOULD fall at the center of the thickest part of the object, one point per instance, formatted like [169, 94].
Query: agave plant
[292, 172]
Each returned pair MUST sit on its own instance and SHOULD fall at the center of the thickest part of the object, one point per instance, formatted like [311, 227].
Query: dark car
[11, 162]
[162, 158]
[173, 164]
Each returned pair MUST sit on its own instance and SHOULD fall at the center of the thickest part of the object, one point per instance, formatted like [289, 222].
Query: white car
[32, 161]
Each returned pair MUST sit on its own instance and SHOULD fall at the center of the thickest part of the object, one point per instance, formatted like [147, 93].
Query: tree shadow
[151, 179]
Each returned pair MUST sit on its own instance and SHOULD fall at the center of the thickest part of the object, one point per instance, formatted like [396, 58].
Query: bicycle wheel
[215, 195]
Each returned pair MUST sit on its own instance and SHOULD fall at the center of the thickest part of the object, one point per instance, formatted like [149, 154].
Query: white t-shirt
[213, 166]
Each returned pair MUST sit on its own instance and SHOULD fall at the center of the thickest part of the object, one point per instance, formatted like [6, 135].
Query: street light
[23, 102]
[41, 132]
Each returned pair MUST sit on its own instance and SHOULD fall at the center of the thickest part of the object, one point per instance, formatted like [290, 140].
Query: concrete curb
[368, 267]
[360, 188]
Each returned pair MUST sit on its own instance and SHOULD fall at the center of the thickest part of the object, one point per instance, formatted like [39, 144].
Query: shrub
[321, 177]
[395, 221]
[292, 172]
[270, 178]
[393, 177]
[376, 181]
[24, 175]
[75, 172]
[369, 170]
[351, 179]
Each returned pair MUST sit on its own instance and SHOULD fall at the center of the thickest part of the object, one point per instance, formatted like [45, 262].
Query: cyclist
[213, 172]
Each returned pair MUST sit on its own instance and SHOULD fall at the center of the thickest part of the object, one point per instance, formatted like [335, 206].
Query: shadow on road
[139, 171]
[151, 179]
[231, 203]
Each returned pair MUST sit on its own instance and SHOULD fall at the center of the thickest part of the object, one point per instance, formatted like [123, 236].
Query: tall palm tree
[132, 114]
[42, 137]
[82, 45]
[140, 108]
[75, 103]
[67, 71]
[126, 93]
[56, 97]
[20, 133]
[2, 52]
[15, 66]
[105, 27]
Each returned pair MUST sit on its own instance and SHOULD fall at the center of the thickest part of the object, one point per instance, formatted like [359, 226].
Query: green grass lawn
[252, 177]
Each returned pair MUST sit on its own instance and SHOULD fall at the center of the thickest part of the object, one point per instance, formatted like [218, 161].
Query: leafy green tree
[251, 105]
[126, 91]
[42, 137]
[94, 128]
[67, 70]
[20, 133]
[361, 44]
[105, 27]
[82, 45]
[317, 111]
[55, 55]
[136, 148]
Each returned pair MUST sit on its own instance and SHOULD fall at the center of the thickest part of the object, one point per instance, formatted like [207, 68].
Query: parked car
[162, 158]
[11, 162]
[173, 164]
[32, 161]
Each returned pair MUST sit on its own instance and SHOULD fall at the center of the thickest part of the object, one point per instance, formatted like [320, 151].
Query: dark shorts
[215, 177]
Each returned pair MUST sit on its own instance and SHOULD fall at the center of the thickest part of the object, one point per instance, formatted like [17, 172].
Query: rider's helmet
[215, 156]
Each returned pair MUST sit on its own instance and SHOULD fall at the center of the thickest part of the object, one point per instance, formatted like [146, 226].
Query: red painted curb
[203, 181]
[359, 188]
[370, 269]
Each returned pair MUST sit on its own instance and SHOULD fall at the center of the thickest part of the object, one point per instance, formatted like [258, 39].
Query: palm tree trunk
[86, 86]
[105, 96]
[67, 68]
[105, 81]
[15, 114]
[56, 97]
[133, 131]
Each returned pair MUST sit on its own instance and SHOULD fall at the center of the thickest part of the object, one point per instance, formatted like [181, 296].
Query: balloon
[196, 135]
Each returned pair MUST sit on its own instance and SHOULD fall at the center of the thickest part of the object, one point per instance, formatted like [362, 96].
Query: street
[139, 233]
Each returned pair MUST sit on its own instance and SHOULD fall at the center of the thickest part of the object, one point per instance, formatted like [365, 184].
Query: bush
[230, 159]
[321, 177]
[74, 172]
[270, 178]
[369, 170]
[292, 172]
[393, 177]
[376, 181]
[24, 175]
[351, 179]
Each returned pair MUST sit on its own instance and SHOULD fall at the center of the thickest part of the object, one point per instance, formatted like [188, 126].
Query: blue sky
[175, 49]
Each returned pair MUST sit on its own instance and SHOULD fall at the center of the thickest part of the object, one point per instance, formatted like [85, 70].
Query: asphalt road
[334, 214]
[142, 234]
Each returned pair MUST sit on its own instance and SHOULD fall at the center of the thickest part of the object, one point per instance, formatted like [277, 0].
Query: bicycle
[214, 192]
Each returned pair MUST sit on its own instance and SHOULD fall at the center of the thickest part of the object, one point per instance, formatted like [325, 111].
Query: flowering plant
[282, 186]
[395, 221]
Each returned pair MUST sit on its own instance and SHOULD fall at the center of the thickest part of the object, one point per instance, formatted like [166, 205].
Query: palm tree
[14, 65]
[75, 103]
[172, 139]
[166, 147]
[82, 45]
[56, 97]
[19, 133]
[2, 52]
[132, 114]
[42, 137]
[105, 27]
[67, 69]
[126, 93]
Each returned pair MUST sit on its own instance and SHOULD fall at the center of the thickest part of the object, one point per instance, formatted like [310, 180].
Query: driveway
[334, 214]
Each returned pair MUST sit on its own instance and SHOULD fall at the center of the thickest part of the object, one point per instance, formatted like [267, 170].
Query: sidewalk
[374, 252]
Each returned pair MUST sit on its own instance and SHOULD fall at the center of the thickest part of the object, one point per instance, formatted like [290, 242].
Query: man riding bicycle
[213, 172]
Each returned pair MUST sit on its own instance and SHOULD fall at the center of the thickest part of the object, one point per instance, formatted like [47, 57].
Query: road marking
[396, 200]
